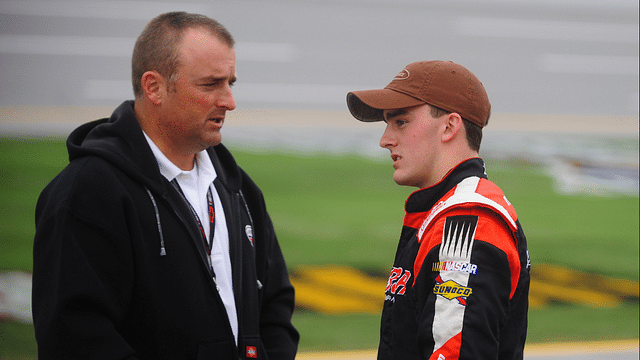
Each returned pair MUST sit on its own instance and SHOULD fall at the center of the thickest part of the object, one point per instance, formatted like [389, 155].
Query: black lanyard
[212, 216]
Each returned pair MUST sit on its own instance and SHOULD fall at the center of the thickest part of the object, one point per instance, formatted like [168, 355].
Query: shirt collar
[170, 171]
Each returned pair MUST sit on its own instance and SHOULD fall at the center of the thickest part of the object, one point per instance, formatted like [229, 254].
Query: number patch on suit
[398, 279]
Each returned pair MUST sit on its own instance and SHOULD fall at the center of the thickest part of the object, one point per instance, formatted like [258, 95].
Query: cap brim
[369, 105]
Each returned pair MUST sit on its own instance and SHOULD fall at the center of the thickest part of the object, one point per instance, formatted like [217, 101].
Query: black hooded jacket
[120, 269]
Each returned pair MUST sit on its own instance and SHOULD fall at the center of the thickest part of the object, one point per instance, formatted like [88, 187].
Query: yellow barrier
[339, 289]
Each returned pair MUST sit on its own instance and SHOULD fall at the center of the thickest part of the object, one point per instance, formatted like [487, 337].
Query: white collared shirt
[195, 184]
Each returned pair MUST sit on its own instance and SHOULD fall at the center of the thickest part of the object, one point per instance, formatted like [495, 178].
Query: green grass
[26, 166]
[17, 341]
[345, 209]
[337, 332]
[583, 232]
[565, 323]
[330, 209]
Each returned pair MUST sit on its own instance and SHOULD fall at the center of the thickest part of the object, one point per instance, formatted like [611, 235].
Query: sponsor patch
[398, 280]
[252, 352]
[458, 266]
[248, 230]
[452, 290]
[432, 214]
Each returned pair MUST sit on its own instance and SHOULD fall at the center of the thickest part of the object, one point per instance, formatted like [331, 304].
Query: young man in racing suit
[459, 285]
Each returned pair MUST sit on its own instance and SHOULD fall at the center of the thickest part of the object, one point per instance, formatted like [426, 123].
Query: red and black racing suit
[460, 280]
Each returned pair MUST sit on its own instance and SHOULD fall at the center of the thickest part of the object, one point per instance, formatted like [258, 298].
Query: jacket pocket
[223, 350]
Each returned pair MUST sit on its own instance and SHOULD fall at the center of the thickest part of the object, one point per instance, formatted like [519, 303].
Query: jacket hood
[120, 141]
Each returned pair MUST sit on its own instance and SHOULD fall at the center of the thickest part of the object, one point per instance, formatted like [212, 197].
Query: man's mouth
[395, 158]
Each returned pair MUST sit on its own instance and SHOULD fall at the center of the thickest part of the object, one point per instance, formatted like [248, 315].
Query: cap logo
[403, 75]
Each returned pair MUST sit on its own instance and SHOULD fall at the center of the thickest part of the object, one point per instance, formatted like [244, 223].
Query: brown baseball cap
[443, 84]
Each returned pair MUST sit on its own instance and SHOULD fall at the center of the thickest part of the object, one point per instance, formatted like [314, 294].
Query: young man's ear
[153, 86]
[453, 124]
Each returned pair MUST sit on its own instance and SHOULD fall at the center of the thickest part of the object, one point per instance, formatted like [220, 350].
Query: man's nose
[226, 100]
[387, 140]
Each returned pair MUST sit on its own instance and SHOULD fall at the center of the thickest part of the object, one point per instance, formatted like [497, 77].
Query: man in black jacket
[152, 243]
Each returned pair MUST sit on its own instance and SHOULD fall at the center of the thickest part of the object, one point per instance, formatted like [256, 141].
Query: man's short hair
[157, 46]
[473, 131]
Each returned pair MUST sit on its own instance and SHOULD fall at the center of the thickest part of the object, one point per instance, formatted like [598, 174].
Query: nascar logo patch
[457, 266]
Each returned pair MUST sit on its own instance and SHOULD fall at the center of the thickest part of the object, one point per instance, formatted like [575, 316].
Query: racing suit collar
[424, 199]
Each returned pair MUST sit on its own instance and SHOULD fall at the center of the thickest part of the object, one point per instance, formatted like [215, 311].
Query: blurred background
[562, 77]
[553, 67]
[534, 57]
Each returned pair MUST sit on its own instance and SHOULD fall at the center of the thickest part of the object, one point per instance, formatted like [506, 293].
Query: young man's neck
[448, 163]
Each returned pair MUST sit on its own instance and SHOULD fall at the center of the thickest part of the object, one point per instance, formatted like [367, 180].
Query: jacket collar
[120, 141]
[424, 199]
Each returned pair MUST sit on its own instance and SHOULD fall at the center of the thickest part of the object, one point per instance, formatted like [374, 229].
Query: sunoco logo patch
[452, 290]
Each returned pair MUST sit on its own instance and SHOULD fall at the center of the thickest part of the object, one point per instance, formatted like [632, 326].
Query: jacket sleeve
[279, 336]
[82, 276]
[466, 285]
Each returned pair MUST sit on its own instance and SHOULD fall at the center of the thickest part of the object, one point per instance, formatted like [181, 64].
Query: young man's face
[200, 95]
[413, 138]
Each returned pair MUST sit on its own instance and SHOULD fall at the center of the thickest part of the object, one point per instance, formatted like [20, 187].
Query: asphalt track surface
[620, 350]
[533, 56]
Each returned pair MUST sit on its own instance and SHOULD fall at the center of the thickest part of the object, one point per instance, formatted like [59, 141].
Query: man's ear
[153, 86]
[453, 124]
